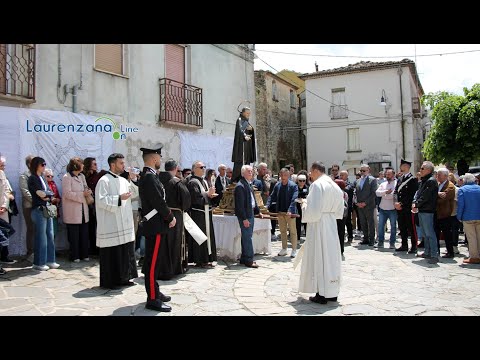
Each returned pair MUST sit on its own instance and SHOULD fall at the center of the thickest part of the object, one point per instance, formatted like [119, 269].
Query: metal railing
[338, 112]
[17, 70]
[181, 103]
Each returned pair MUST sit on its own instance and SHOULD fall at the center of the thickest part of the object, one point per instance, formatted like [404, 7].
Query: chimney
[316, 66]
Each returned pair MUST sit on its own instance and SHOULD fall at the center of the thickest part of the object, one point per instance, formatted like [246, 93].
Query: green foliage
[455, 133]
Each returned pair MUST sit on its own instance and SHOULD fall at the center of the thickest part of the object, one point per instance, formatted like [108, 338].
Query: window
[339, 109]
[274, 91]
[353, 139]
[175, 62]
[110, 58]
[17, 70]
[292, 99]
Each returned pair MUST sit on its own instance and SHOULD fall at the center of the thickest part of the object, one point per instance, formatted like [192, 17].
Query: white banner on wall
[211, 150]
[56, 136]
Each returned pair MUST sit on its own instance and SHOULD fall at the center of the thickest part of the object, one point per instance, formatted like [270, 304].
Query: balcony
[338, 112]
[17, 72]
[181, 104]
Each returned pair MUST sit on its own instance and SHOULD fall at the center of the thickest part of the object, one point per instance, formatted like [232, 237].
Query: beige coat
[4, 200]
[73, 199]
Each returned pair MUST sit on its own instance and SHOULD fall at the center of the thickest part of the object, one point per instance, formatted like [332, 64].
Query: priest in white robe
[321, 254]
[115, 230]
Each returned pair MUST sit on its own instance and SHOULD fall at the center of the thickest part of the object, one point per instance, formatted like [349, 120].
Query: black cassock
[244, 151]
[170, 256]
[198, 254]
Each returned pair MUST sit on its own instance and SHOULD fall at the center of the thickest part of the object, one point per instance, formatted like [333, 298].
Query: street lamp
[383, 100]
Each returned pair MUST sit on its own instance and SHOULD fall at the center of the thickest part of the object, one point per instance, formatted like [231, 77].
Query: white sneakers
[282, 252]
[40, 267]
[53, 265]
[293, 253]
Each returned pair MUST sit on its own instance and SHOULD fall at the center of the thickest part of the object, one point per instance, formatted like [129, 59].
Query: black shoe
[421, 245]
[412, 251]
[319, 299]
[364, 243]
[448, 256]
[2, 271]
[164, 298]
[157, 305]
[128, 283]
[331, 299]
[402, 249]
[7, 261]
[140, 261]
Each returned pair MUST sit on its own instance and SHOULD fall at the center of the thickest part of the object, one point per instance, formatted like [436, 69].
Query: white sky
[437, 73]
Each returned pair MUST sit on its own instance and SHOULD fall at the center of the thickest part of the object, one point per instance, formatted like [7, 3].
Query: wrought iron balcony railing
[181, 103]
[17, 70]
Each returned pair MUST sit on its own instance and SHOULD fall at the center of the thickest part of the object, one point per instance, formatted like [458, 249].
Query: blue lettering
[37, 128]
[70, 128]
[63, 127]
[90, 128]
[107, 128]
[123, 136]
[28, 127]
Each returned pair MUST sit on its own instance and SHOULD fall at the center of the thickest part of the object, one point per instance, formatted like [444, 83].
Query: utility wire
[281, 75]
[369, 57]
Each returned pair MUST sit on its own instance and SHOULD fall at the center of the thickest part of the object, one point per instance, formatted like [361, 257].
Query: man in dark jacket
[152, 197]
[425, 203]
[283, 196]
[172, 258]
[405, 189]
[365, 190]
[349, 189]
[245, 209]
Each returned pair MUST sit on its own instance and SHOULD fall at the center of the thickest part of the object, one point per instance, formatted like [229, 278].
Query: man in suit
[245, 209]
[152, 197]
[407, 186]
[221, 183]
[445, 204]
[365, 190]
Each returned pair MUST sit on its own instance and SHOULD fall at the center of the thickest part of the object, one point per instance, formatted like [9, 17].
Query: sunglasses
[44, 164]
[49, 176]
[302, 180]
[202, 167]
[363, 170]
[422, 168]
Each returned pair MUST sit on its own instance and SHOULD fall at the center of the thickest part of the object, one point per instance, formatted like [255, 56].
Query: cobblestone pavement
[375, 282]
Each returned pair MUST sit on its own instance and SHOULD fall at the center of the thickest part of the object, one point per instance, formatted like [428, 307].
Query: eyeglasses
[363, 170]
[202, 167]
[49, 176]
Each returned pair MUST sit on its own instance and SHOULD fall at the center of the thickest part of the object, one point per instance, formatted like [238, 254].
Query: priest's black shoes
[321, 299]
[164, 298]
[157, 305]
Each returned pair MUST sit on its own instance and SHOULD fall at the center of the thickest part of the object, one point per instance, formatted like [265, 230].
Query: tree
[455, 133]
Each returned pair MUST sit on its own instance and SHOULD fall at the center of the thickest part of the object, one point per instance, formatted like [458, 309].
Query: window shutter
[175, 62]
[109, 57]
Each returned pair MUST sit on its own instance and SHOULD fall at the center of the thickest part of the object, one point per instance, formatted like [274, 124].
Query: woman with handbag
[76, 196]
[42, 216]
[56, 199]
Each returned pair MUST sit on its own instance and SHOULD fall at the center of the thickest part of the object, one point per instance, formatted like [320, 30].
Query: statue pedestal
[227, 204]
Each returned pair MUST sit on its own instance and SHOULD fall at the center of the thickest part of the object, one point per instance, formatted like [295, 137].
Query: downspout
[400, 72]
[74, 98]
[300, 131]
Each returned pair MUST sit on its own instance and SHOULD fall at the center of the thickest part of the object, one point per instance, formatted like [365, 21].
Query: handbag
[49, 211]
[90, 199]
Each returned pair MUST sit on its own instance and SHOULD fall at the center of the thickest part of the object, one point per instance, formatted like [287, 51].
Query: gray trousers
[367, 221]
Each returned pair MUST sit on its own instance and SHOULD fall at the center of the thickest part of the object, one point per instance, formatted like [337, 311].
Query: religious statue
[244, 151]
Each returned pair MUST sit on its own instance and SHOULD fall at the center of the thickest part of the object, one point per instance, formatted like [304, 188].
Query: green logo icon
[116, 134]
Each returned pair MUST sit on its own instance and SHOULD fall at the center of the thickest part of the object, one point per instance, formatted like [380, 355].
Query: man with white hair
[468, 211]
[445, 205]
[245, 209]
[221, 183]
[425, 203]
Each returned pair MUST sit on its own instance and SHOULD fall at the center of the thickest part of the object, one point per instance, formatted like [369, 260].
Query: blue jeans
[141, 250]
[44, 246]
[426, 223]
[247, 242]
[383, 215]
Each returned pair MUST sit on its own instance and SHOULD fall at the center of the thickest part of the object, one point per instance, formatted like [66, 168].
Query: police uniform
[152, 196]
[407, 186]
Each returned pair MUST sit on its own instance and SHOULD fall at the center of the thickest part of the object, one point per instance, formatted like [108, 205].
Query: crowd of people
[125, 214]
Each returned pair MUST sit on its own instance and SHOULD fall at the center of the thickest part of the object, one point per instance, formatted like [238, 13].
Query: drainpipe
[74, 98]
[400, 72]
[299, 112]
